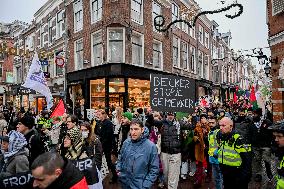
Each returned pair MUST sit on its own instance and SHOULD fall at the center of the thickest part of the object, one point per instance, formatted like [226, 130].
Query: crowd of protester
[222, 143]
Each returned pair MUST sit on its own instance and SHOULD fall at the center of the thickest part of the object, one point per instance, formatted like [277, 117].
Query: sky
[248, 31]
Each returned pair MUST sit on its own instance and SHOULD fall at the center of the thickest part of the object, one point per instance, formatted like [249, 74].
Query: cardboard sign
[172, 93]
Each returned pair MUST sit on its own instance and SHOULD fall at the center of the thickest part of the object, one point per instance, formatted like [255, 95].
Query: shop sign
[23, 90]
[172, 93]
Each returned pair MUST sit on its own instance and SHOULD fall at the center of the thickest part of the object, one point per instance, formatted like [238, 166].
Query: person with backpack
[34, 143]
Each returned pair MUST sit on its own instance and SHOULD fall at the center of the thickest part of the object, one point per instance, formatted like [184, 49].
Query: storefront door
[116, 100]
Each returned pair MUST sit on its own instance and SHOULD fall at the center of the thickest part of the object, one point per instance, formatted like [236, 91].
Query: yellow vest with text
[229, 152]
[280, 181]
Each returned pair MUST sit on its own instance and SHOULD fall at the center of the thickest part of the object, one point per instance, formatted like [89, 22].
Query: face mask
[85, 134]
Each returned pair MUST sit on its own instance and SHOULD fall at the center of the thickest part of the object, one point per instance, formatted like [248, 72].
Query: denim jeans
[217, 175]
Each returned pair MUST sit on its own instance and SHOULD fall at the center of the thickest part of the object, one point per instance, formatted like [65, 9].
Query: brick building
[275, 15]
[114, 47]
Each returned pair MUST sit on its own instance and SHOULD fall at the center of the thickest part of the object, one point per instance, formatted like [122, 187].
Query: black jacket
[262, 137]
[170, 138]
[106, 135]
[245, 129]
[70, 177]
[35, 145]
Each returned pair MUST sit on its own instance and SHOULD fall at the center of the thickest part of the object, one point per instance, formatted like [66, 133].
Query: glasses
[211, 122]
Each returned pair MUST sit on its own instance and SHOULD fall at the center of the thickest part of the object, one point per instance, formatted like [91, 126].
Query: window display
[97, 93]
[139, 93]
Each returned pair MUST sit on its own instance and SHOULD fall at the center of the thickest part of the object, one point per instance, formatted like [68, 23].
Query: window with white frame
[207, 40]
[50, 30]
[79, 57]
[97, 48]
[157, 55]
[193, 58]
[78, 15]
[41, 36]
[184, 55]
[200, 34]
[156, 12]
[175, 51]
[97, 9]
[137, 11]
[222, 51]
[206, 67]
[137, 49]
[116, 45]
[200, 64]
[175, 13]
[60, 24]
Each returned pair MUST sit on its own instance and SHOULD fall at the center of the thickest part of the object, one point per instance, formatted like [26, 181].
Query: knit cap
[128, 115]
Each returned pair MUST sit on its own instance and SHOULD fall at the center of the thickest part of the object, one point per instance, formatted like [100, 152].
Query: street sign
[172, 93]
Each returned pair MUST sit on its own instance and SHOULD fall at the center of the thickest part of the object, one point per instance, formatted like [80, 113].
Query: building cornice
[275, 39]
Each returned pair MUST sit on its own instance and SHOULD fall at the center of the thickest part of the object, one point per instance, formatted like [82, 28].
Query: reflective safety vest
[213, 144]
[229, 152]
[280, 181]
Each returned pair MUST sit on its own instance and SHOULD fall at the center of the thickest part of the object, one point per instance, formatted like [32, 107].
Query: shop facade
[109, 86]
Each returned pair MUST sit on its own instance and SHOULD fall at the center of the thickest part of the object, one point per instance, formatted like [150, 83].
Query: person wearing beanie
[128, 115]
[125, 126]
[35, 145]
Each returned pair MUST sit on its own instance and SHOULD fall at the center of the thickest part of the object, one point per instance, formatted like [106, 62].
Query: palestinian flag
[253, 98]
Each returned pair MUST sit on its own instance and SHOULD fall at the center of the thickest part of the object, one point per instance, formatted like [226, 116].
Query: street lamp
[267, 69]
[159, 21]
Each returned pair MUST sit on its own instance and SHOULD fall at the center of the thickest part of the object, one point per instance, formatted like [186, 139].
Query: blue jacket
[138, 164]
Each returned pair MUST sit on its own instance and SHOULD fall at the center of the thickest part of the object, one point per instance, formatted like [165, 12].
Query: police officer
[234, 156]
[278, 132]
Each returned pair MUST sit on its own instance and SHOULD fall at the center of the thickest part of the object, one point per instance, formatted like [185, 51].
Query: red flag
[59, 110]
[235, 94]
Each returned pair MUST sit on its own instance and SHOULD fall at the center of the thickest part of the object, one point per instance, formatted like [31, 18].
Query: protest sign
[25, 180]
[172, 93]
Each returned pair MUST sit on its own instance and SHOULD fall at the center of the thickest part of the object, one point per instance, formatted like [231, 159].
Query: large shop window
[97, 93]
[139, 93]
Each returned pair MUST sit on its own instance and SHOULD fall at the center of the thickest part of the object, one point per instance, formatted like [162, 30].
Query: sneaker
[183, 177]
[191, 174]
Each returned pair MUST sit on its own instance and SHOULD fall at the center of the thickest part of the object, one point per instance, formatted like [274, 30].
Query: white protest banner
[35, 80]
